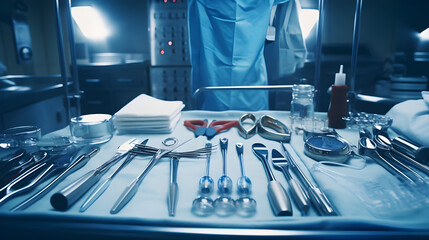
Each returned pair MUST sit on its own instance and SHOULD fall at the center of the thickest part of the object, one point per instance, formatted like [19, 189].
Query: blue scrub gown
[227, 42]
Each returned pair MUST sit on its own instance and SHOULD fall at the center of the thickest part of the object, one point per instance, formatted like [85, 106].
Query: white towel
[147, 107]
[411, 119]
[146, 114]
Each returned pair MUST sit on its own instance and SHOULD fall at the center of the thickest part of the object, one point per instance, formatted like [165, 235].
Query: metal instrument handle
[208, 156]
[126, 196]
[98, 191]
[239, 148]
[296, 169]
[79, 163]
[223, 147]
[321, 202]
[65, 198]
[317, 197]
[172, 198]
[279, 199]
[299, 196]
[389, 167]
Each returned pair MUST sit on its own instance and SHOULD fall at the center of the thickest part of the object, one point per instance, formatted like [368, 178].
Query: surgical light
[90, 22]
[425, 34]
[307, 20]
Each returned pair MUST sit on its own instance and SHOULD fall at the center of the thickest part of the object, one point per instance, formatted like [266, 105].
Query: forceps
[77, 164]
[61, 162]
[131, 189]
[99, 190]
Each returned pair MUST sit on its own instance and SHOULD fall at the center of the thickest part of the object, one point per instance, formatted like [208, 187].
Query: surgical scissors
[202, 128]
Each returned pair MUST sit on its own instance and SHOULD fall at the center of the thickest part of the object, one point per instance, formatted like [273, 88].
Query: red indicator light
[165, 1]
[170, 43]
[162, 51]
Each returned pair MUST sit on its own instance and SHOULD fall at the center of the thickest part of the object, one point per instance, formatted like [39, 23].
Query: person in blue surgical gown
[227, 40]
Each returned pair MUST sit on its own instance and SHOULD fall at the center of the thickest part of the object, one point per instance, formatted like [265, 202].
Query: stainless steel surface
[99, 190]
[298, 194]
[66, 197]
[77, 164]
[318, 199]
[279, 200]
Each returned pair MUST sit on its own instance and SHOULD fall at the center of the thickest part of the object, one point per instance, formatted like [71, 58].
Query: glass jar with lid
[302, 104]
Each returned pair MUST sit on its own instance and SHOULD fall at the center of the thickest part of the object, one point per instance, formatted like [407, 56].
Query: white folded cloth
[411, 119]
[146, 114]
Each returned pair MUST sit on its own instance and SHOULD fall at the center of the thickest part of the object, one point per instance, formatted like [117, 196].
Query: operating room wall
[41, 21]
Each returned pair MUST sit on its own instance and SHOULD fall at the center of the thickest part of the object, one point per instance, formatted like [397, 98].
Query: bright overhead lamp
[90, 22]
[425, 34]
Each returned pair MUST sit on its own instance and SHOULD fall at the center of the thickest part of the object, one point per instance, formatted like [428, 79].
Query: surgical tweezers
[47, 168]
[131, 189]
[99, 190]
[77, 164]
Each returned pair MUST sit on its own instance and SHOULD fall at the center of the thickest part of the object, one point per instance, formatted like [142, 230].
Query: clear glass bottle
[302, 104]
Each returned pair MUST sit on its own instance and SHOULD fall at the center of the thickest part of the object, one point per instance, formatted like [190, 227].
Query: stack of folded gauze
[146, 114]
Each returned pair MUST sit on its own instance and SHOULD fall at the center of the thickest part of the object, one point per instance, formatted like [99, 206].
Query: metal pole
[70, 33]
[318, 52]
[199, 91]
[355, 48]
[63, 65]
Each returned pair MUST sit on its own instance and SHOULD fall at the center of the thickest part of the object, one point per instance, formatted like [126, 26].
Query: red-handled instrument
[218, 126]
[200, 127]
